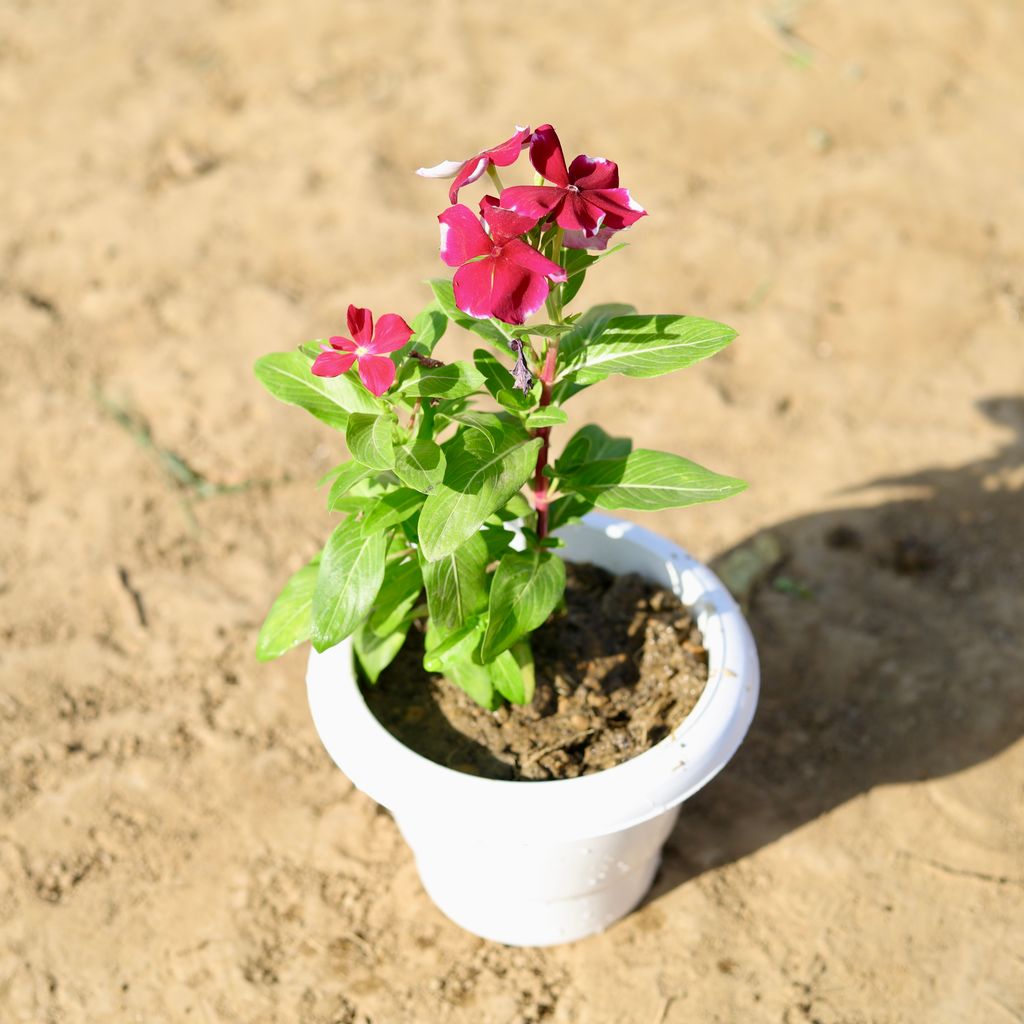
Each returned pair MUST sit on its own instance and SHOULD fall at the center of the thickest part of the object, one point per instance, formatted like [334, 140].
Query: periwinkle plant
[451, 497]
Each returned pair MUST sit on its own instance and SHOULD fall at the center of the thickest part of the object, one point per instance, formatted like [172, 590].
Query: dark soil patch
[615, 674]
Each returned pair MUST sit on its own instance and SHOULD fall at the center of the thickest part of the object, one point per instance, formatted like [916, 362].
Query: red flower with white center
[467, 171]
[585, 196]
[499, 275]
[367, 348]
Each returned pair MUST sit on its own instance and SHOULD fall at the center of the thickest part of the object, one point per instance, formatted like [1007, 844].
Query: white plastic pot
[539, 863]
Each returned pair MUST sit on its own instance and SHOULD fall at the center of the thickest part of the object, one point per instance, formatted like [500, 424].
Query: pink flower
[467, 171]
[366, 348]
[583, 197]
[510, 282]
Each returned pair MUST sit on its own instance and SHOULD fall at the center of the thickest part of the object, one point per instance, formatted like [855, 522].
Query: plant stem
[492, 172]
[541, 500]
[540, 481]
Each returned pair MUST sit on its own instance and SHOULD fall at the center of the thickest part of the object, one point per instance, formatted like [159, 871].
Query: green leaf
[512, 674]
[499, 382]
[453, 380]
[546, 416]
[346, 477]
[542, 331]
[288, 621]
[497, 539]
[590, 444]
[392, 508]
[397, 596]
[451, 648]
[477, 481]
[375, 652]
[287, 376]
[526, 589]
[361, 495]
[445, 296]
[476, 681]
[648, 480]
[420, 464]
[570, 508]
[428, 328]
[457, 583]
[351, 572]
[369, 440]
[642, 346]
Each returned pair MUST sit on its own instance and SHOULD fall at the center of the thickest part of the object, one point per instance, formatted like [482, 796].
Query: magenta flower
[585, 196]
[510, 281]
[467, 171]
[366, 348]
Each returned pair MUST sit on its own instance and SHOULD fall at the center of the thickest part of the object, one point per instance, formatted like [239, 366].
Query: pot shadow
[889, 639]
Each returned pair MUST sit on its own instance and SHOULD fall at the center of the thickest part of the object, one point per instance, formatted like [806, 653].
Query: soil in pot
[617, 672]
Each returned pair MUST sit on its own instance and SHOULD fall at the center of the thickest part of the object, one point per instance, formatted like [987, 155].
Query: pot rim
[563, 810]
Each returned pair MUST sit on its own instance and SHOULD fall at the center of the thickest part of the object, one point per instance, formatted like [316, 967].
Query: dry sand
[187, 186]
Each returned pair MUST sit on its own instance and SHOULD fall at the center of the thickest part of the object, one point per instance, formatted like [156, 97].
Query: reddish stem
[540, 481]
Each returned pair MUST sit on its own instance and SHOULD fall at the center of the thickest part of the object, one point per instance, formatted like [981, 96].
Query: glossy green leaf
[391, 509]
[451, 647]
[287, 376]
[457, 583]
[453, 380]
[369, 439]
[375, 652]
[477, 481]
[648, 480]
[351, 572]
[290, 617]
[526, 589]
[420, 464]
[499, 382]
[474, 679]
[346, 477]
[512, 674]
[570, 508]
[642, 346]
[546, 416]
[445, 296]
[590, 444]
[398, 594]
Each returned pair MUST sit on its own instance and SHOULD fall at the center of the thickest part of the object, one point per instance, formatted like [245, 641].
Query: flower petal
[620, 208]
[343, 344]
[578, 214]
[331, 364]
[360, 324]
[532, 200]
[445, 169]
[594, 172]
[581, 240]
[390, 334]
[547, 157]
[528, 258]
[377, 373]
[502, 223]
[462, 236]
[498, 287]
[516, 293]
[472, 285]
[471, 170]
[508, 152]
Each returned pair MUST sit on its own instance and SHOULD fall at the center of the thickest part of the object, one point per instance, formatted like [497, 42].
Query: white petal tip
[445, 169]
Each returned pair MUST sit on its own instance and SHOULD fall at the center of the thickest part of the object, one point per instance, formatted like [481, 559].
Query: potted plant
[458, 523]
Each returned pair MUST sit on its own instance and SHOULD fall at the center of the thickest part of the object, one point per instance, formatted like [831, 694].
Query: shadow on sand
[891, 651]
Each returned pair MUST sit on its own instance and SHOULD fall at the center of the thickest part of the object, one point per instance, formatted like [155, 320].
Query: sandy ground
[184, 187]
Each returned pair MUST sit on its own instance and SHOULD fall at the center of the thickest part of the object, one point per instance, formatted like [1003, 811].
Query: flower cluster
[503, 255]
[453, 494]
